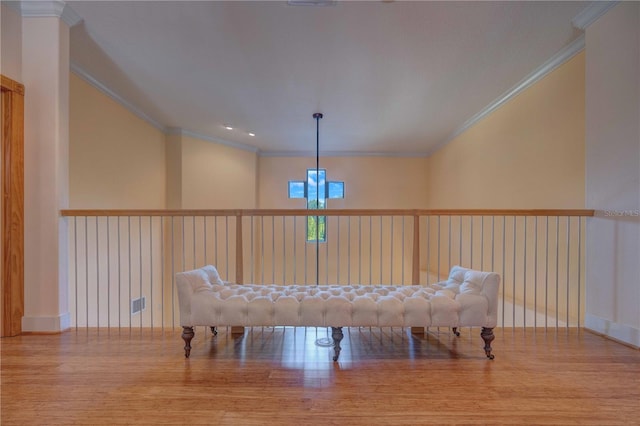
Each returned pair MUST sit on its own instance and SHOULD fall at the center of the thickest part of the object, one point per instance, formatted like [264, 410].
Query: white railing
[123, 263]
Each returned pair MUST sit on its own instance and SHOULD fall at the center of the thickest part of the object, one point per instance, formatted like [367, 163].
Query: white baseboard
[621, 332]
[55, 324]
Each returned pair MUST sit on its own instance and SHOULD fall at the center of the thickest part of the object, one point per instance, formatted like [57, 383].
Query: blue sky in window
[313, 182]
[336, 189]
[296, 189]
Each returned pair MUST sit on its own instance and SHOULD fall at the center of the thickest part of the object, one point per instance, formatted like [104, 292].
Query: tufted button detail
[334, 305]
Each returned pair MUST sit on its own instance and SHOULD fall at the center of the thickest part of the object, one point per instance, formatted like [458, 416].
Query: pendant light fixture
[317, 116]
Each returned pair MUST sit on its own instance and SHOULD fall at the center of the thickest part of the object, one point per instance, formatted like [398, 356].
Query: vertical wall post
[415, 271]
[415, 263]
[239, 250]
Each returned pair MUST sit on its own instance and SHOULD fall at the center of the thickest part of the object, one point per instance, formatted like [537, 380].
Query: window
[316, 190]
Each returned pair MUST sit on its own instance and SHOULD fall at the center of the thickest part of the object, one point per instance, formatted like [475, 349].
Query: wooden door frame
[12, 207]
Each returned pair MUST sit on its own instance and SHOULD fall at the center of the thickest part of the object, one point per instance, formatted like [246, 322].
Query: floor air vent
[137, 305]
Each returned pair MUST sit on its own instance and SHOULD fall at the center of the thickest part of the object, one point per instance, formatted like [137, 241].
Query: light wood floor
[286, 376]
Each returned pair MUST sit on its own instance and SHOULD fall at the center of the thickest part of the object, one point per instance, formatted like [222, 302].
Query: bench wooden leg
[187, 335]
[336, 333]
[487, 336]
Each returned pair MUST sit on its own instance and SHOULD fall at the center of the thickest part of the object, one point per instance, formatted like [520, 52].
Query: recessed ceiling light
[251, 134]
[226, 126]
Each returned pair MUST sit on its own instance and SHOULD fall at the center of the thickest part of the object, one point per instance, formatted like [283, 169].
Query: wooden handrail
[11, 85]
[329, 212]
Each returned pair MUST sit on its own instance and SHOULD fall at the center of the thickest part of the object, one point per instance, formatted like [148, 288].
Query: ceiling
[392, 77]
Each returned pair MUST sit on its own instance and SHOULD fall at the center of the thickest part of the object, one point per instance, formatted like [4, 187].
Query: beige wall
[10, 43]
[353, 252]
[216, 176]
[45, 74]
[527, 154]
[173, 157]
[370, 182]
[613, 173]
[117, 160]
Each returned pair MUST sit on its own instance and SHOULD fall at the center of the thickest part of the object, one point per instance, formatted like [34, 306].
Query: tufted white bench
[467, 298]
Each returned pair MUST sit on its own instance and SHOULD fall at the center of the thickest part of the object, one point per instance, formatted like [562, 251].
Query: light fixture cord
[318, 116]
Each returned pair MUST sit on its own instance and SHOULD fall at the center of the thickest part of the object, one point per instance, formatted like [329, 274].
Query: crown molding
[46, 9]
[591, 13]
[185, 132]
[538, 74]
[70, 17]
[80, 72]
[13, 5]
[76, 69]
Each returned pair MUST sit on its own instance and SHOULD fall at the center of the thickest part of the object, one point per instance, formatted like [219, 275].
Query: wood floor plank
[286, 376]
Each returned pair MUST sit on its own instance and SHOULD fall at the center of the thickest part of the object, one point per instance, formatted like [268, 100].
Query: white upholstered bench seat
[467, 298]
